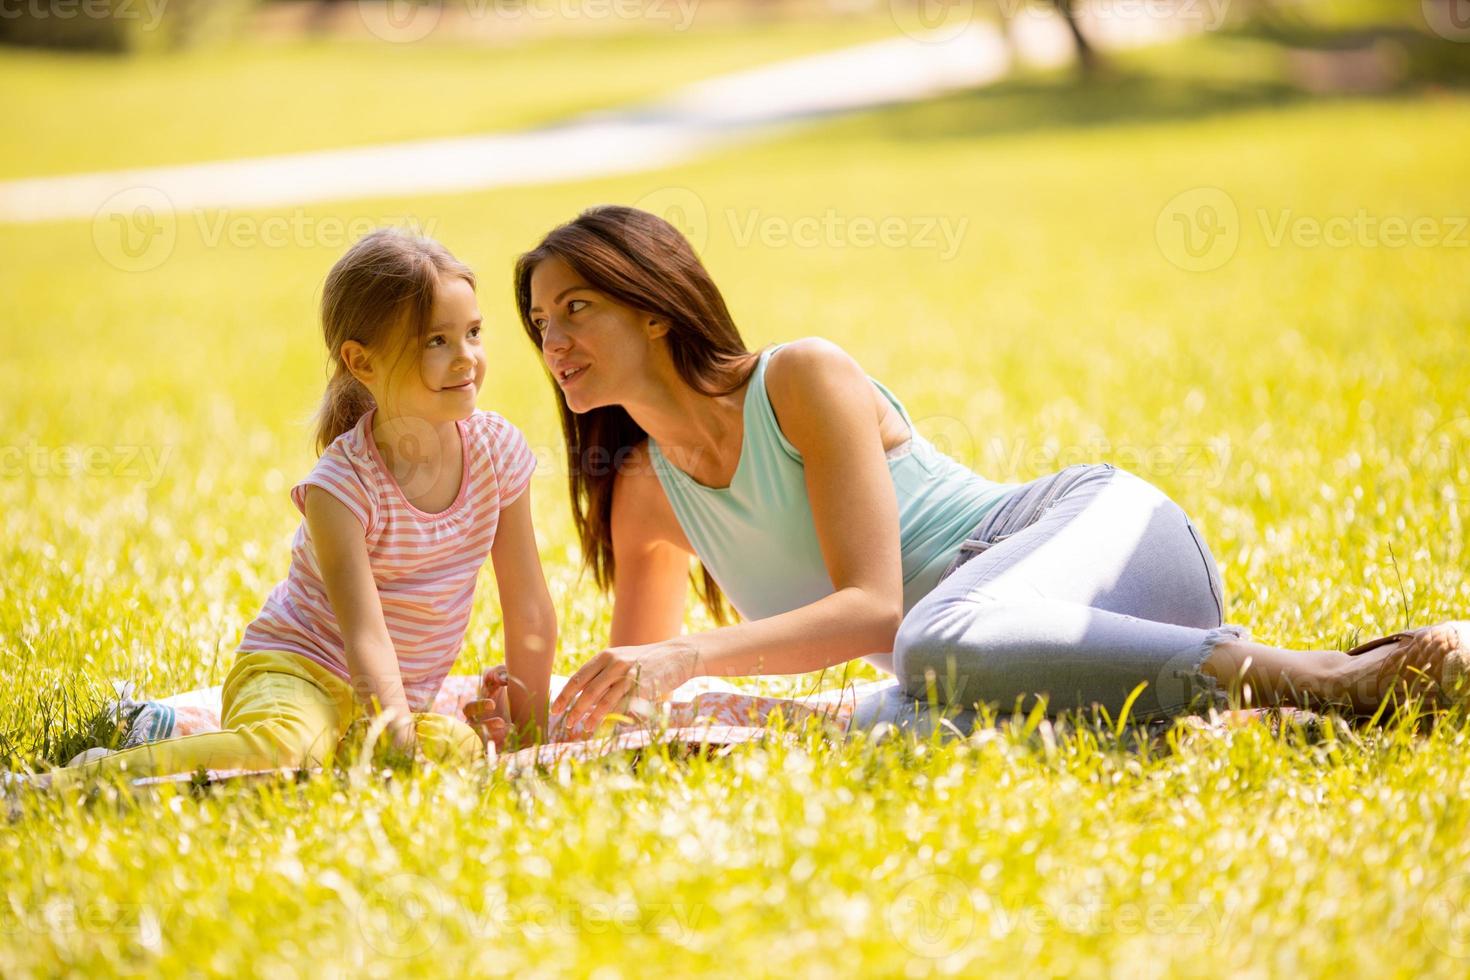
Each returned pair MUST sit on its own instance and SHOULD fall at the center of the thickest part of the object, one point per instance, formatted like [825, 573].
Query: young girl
[413, 489]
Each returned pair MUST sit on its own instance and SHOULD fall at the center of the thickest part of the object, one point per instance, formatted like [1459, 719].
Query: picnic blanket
[704, 712]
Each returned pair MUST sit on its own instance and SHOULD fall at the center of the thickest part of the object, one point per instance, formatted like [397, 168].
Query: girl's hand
[494, 681]
[488, 714]
[400, 729]
[619, 676]
[484, 717]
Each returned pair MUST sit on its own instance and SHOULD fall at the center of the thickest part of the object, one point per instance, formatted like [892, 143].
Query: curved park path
[695, 119]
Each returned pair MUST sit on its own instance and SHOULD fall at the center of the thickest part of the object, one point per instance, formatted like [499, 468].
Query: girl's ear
[359, 363]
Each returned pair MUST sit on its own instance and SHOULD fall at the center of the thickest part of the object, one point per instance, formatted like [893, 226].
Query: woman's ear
[657, 328]
[358, 362]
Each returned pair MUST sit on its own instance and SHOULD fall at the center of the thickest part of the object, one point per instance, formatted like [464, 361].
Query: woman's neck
[689, 426]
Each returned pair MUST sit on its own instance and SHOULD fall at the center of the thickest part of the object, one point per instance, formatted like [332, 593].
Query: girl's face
[594, 346]
[441, 382]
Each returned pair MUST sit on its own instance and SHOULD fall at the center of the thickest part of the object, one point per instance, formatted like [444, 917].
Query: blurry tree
[122, 25]
[1087, 58]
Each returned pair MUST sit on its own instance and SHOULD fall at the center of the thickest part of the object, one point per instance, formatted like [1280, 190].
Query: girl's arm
[824, 405]
[529, 618]
[341, 554]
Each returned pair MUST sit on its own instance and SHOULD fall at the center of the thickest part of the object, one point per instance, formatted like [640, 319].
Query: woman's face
[594, 346]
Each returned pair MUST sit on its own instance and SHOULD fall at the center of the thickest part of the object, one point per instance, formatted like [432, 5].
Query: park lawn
[260, 97]
[1304, 402]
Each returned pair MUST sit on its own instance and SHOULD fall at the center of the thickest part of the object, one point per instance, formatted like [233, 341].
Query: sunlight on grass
[267, 97]
[1306, 403]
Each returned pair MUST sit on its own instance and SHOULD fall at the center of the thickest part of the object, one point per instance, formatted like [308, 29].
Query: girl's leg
[279, 710]
[447, 741]
[1086, 583]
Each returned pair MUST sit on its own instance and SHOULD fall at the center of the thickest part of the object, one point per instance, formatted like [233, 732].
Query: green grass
[1305, 404]
[264, 97]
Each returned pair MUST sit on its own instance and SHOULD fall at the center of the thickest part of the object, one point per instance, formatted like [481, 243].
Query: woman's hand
[620, 676]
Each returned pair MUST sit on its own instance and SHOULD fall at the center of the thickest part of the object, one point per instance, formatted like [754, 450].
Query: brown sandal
[1375, 644]
[1454, 680]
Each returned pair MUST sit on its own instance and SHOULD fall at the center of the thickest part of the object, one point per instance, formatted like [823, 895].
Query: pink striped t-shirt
[425, 565]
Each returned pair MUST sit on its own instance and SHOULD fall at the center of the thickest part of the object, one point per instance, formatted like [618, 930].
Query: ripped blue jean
[1079, 586]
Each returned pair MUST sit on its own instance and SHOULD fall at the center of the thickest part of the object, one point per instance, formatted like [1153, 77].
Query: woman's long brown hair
[643, 262]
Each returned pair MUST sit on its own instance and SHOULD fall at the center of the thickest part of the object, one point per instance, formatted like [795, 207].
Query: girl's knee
[288, 743]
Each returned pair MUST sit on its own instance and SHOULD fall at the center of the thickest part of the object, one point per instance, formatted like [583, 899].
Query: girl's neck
[408, 444]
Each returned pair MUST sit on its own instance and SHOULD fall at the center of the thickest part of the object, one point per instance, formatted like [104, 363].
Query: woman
[838, 532]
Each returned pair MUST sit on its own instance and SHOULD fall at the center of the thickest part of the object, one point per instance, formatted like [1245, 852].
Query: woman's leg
[1086, 583]
[279, 710]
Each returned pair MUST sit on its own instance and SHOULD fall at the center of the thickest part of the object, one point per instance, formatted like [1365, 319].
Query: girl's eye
[436, 339]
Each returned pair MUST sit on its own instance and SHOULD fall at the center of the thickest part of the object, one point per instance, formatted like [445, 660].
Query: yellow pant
[278, 709]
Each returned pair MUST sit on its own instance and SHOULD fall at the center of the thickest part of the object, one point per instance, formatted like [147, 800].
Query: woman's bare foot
[1432, 662]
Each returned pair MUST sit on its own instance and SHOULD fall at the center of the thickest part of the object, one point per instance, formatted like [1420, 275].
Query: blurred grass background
[1305, 403]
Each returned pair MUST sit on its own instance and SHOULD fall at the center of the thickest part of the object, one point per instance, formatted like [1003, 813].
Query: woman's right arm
[341, 553]
[651, 573]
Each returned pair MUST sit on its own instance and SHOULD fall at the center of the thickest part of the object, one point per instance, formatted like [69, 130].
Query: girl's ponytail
[379, 294]
[345, 402]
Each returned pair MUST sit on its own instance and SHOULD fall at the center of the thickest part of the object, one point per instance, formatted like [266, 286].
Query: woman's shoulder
[806, 358]
[807, 373]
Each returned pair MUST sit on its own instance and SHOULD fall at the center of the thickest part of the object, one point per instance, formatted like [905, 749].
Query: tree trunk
[1086, 54]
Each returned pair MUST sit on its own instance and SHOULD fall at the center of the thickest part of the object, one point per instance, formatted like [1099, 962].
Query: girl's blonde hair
[379, 294]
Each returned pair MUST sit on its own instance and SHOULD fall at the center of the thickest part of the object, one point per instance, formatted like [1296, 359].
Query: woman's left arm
[529, 619]
[824, 405]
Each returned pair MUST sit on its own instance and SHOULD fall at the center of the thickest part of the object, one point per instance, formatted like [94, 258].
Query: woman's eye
[572, 307]
[474, 331]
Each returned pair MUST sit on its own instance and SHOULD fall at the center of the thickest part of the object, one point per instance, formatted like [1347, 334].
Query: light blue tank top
[757, 537]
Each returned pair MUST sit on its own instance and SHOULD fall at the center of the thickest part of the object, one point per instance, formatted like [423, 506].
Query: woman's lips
[576, 375]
